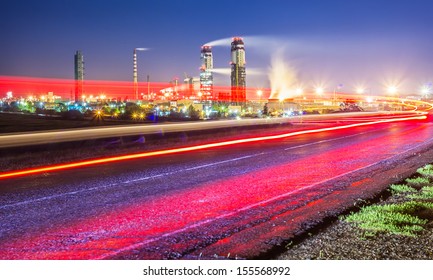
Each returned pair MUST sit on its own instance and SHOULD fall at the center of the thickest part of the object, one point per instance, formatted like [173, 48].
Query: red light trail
[51, 168]
[146, 224]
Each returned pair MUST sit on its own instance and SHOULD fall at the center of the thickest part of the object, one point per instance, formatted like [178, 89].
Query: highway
[233, 201]
[9, 140]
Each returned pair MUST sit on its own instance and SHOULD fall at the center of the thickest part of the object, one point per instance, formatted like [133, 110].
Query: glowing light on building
[238, 73]
[206, 76]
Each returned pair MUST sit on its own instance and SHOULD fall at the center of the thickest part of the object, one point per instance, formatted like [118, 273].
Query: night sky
[368, 42]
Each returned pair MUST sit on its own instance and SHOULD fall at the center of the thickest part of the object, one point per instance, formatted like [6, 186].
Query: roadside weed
[426, 171]
[397, 219]
[401, 189]
[425, 193]
[417, 182]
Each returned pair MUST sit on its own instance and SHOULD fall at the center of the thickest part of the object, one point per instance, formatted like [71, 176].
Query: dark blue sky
[331, 42]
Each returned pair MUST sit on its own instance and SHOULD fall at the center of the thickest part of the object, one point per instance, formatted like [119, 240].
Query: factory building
[238, 74]
[206, 77]
[79, 75]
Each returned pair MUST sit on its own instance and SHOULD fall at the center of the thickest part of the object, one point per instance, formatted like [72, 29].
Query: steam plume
[282, 77]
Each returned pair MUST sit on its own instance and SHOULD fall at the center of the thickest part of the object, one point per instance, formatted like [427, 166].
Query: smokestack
[79, 74]
[135, 73]
[238, 74]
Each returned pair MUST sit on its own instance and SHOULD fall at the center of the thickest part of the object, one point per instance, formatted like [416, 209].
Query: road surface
[9, 140]
[234, 201]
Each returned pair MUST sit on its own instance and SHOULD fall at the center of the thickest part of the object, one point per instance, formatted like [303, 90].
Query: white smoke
[282, 77]
[142, 49]
[220, 42]
[260, 42]
[222, 71]
[255, 71]
[250, 71]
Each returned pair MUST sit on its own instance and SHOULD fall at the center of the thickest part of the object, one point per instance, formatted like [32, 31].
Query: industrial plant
[79, 75]
[206, 76]
[238, 74]
[199, 88]
[202, 88]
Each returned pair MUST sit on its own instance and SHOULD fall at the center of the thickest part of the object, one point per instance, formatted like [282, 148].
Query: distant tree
[13, 107]
[193, 113]
[62, 107]
[72, 115]
[88, 113]
[265, 109]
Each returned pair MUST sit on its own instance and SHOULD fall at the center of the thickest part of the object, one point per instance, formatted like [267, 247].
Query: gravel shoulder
[341, 240]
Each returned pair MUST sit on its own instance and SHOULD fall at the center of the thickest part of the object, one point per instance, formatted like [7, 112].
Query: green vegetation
[418, 182]
[397, 219]
[401, 189]
[193, 113]
[426, 193]
[426, 171]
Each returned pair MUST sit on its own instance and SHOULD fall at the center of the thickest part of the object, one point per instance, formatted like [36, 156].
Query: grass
[397, 189]
[397, 219]
[426, 193]
[418, 181]
[426, 171]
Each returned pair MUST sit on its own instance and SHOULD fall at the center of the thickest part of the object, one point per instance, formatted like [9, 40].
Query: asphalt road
[218, 202]
[8, 140]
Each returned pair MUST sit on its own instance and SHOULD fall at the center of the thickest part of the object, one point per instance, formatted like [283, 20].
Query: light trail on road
[66, 135]
[234, 196]
[146, 178]
[202, 216]
[84, 163]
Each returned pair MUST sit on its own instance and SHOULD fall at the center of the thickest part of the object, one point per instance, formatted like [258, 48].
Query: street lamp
[426, 89]
[392, 90]
[259, 94]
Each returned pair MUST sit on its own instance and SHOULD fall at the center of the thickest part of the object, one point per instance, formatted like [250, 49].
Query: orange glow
[84, 163]
[63, 87]
[22, 86]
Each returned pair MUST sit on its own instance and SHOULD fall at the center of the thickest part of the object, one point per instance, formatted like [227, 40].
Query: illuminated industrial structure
[79, 75]
[238, 74]
[191, 86]
[206, 77]
[135, 72]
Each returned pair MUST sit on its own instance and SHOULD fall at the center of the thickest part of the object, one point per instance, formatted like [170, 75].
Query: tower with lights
[79, 74]
[206, 77]
[238, 74]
